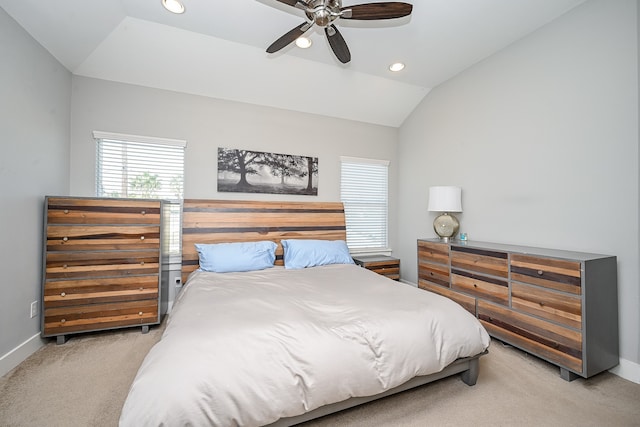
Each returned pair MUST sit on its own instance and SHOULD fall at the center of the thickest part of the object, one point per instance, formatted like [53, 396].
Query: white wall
[34, 119]
[207, 123]
[543, 139]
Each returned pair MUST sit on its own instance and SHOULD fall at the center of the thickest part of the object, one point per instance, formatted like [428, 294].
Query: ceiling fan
[324, 13]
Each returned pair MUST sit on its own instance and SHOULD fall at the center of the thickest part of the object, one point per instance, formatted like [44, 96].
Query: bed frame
[220, 221]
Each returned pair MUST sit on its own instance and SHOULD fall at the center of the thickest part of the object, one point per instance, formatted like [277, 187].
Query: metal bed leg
[470, 376]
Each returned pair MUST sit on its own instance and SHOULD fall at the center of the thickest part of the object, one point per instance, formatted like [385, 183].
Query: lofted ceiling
[217, 49]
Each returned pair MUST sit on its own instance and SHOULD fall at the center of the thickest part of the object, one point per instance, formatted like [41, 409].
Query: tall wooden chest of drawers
[101, 265]
[558, 305]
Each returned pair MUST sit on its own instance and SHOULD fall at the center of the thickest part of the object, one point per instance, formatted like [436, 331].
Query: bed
[281, 345]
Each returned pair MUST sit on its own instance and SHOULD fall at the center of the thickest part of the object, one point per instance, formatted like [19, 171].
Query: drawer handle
[475, 286]
[63, 294]
[141, 237]
[540, 272]
[139, 313]
[63, 320]
[141, 289]
[143, 212]
[541, 304]
[66, 211]
[65, 266]
[65, 238]
[141, 262]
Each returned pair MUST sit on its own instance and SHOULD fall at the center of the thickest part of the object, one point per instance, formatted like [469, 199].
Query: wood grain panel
[434, 273]
[223, 221]
[559, 274]
[72, 210]
[553, 342]
[63, 320]
[93, 291]
[489, 288]
[466, 301]
[433, 252]
[555, 306]
[480, 260]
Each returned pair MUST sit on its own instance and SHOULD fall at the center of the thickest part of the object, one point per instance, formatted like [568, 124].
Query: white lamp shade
[445, 199]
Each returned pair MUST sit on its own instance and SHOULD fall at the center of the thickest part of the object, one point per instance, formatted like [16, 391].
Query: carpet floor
[85, 383]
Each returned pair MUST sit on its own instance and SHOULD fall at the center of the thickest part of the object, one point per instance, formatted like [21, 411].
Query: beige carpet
[85, 382]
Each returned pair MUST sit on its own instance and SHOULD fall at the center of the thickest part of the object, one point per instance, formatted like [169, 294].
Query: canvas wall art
[245, 171]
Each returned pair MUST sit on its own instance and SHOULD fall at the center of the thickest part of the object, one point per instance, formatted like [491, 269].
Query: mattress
[250, 348]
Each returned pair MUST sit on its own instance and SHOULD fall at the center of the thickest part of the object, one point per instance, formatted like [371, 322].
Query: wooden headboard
[221, 221]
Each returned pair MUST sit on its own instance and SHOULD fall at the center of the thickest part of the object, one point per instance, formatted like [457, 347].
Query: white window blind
[131, 166]
[364, 193]
[139, 167]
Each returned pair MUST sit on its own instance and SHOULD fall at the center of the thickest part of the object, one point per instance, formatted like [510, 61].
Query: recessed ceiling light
[173, 6]
[303, 42]
[398, 66]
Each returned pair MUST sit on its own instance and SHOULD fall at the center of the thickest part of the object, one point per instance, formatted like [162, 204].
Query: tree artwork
[244, 171]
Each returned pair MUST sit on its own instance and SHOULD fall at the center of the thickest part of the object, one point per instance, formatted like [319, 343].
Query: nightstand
[381, 264]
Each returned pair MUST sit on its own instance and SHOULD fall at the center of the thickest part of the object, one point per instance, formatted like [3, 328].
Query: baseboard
[628, 370]
[19, 354]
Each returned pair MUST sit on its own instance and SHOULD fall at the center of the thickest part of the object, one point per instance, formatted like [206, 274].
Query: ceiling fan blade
[370, 11]
[289, 38]
[337, 43]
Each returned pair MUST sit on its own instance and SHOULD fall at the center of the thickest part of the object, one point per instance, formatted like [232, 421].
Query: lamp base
[446, 226]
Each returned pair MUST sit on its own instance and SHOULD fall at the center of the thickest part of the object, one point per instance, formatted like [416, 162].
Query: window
[130, 166]
[364, 193]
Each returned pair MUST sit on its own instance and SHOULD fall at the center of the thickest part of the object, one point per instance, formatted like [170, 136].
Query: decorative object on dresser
[101, 265]
[381, 264]
[445, 199]
[558, 305]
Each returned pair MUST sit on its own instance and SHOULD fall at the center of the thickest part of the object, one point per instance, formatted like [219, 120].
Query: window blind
[364, 193]
[130, 166]
[139, 170]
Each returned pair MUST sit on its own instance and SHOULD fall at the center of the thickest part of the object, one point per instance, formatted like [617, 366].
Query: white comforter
[250, 348]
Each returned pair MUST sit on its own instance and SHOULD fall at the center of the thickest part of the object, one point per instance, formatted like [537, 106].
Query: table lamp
[445, 199]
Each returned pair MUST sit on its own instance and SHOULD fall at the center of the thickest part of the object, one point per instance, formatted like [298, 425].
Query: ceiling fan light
[397, 66]
[173, 6]
[303, 42]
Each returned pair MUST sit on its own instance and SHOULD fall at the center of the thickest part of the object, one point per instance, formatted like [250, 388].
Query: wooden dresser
[101, 265]
[558, 305]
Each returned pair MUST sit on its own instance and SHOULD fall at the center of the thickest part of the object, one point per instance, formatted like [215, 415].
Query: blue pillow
[241, 256]
[310, 253]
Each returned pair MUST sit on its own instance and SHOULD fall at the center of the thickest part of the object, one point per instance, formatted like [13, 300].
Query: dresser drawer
[434, 273]
[433, 252]
[61, 293]
[488, 288]
[480, 260]
[552, 342]
[467, 302]
[558, 274]
[64, 265]
[62, 210]
[102, 237]
[555, 306]
[64, 320]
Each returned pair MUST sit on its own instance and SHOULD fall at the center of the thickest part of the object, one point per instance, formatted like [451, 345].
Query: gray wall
[543, 139]
[207, 123]
[34, 119]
